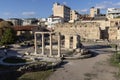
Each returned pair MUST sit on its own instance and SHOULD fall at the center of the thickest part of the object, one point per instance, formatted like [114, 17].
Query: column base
[35, 53]
[58, 56]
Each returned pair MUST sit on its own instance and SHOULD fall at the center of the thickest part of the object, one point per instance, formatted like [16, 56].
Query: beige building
[94, 12]
[74, 15]
[62, 11]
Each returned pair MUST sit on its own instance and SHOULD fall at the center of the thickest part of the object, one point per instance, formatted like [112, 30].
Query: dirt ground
[95, 68]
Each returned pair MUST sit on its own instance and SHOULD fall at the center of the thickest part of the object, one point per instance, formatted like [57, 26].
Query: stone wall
[84, 30]
[112, 31]
[115, 22]
[118, 34]
[89, 30]
[103, 23]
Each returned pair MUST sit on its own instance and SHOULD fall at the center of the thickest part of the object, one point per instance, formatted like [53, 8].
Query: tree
[6, 24]
[3, 26]
[9, 36]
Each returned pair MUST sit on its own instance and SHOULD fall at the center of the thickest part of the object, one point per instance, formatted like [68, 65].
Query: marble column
[43, 44]
[67, 41]
[59, 45]
[74, 41]
[50, 44]
[35, 43]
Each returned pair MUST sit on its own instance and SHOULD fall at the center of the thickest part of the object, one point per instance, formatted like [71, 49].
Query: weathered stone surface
[112, 33]
[84, 30]
[89, 30]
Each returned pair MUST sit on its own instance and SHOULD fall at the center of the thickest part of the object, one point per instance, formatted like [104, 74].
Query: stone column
[59, 45]
[67, 41]
[74, 41]
[35, 43]
[43, 44]
[50, 44]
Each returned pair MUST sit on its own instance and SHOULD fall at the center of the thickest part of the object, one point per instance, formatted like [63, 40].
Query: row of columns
[43, 43]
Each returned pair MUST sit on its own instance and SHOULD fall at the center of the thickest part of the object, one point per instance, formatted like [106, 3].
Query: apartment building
[42, 21]
[30, 21]
[53, 20]
[94, 12]
[16, 21]
[113, 13]
[74, 15]
[62, 11]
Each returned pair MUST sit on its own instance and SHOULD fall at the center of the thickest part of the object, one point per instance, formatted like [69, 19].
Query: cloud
[107, 4]
[83, 10]
[31, 13]
[65, 3]
[104, 5]
[101, 6]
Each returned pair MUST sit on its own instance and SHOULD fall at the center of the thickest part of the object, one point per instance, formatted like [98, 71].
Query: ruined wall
[118, 34]
[103, 23]
[112, 31]
[115, 22]
[84, 30]
[89, 30]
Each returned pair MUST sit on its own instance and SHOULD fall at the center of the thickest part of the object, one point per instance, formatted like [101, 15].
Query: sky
[43, 8]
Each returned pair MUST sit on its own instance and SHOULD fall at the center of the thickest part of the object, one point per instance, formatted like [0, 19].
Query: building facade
[94, 12]
[30, 21]
[62, 11]
[74, 15]
[42, 21]
[16, 21]
[52, 20]
[113, 13]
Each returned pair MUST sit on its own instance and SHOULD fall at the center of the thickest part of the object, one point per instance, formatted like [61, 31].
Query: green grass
[115, 59]
[41, 75]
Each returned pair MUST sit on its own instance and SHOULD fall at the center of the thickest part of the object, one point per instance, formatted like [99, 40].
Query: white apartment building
[52, 20]
[113, 13]
[42, 21]
[30, 21]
